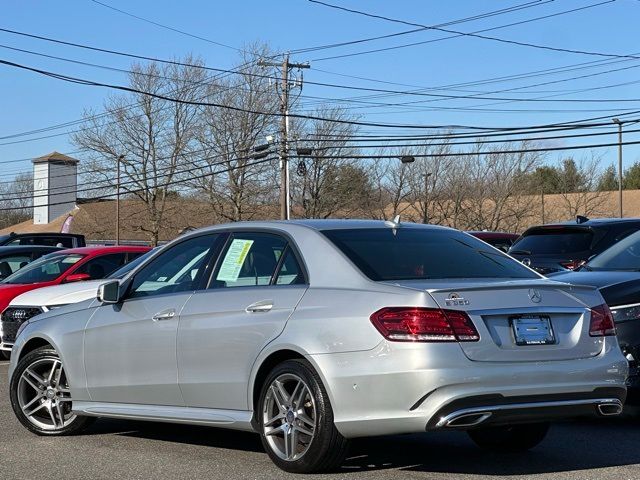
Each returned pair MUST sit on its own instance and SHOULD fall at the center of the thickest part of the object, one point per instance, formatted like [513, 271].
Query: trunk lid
[495, 305]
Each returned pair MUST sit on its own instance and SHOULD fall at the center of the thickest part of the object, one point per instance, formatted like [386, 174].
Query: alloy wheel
[289, 417]
[44, 395]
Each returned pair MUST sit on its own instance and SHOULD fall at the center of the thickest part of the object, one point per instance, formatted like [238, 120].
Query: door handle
[260, 307]
[164, 315]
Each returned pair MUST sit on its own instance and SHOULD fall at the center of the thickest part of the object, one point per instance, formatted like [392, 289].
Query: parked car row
[26, 266]
[312, 333]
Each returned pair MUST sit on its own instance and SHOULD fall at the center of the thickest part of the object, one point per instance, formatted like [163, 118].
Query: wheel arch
[267, 361]
[34, 343]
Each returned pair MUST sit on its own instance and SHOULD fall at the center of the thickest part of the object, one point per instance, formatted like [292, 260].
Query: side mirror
[109, 292]
[77, 277]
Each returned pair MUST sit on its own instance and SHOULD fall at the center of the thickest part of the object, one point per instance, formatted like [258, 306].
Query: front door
[130, 347]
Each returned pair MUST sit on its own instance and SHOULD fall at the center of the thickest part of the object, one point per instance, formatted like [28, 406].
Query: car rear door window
[557, 241]
[290, 272]
[249, 260]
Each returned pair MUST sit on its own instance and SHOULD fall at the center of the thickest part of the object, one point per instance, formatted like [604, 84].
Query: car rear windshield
[46, 269]
[386, 254]
[624, 255]
[553, 241]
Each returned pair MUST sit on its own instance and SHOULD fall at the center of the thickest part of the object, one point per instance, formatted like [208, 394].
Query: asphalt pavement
[114, 449]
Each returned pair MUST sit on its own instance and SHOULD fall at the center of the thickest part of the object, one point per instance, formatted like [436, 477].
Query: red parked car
[72, 265]
[500, 240]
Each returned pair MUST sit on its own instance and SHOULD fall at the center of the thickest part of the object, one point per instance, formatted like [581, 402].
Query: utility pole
[120, 158]
[619, 123]
[285, 88]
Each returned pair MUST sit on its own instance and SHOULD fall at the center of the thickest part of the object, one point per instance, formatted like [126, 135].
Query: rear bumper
[407, 388]
[487, 410]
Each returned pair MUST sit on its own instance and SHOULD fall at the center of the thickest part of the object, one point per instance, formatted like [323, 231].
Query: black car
[13, 258]
[52, 239]
[616, 272]
[566, 246]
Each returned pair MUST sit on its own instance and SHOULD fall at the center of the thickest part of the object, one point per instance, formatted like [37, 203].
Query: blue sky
[30, 101]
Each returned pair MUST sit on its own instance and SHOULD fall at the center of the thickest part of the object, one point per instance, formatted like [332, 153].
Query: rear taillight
[573, 264]
[418, 324]
[601, 324]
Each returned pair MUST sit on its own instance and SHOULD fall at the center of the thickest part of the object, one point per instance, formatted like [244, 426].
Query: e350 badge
[455, 300]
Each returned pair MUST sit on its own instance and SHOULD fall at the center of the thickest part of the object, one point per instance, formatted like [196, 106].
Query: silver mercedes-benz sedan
[315, 332]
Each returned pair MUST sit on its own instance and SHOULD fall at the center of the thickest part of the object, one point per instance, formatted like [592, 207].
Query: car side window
[290, 272]
[102, 266]
[12, 264]
[178, 269]
[250, 259]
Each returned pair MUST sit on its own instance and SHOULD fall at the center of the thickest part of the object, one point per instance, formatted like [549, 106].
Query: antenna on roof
[394, 224]
[581, 219]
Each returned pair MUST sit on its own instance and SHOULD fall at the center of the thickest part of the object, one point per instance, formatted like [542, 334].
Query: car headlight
[626, 313]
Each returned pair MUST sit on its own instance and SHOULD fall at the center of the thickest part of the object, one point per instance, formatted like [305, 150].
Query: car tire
[40, 395]
[5, 355]
[509, 438]
[294, 405]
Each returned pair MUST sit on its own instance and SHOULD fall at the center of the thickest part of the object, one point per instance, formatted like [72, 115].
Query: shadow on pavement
[568, 447]
[176, 433]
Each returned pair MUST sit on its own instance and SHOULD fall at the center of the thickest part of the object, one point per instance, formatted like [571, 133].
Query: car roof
[98, 250]
[28, 248]
[43, 234]
[319, 224]
[595, 221]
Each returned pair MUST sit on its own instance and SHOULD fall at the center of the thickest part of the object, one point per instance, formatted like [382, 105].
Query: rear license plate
[532, 330]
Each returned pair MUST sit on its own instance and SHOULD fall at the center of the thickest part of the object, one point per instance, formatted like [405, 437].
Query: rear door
[254, 288]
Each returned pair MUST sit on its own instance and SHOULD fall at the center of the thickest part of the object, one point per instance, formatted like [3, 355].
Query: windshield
[46, 269]
[553, 241]
[125, 269]
[624, 255]
[385, 254]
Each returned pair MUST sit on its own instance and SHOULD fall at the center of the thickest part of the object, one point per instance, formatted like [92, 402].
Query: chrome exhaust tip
[467, 419]
[609, 409]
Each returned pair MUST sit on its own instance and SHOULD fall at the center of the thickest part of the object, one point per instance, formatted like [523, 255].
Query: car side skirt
[233, 419]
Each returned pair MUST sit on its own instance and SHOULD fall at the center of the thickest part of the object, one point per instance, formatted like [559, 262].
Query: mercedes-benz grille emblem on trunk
[535, 295]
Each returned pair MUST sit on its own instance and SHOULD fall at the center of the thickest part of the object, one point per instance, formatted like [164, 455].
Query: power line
[469, 34]
[167, 27]
[322, 84]
[166, 184]
[501, 11]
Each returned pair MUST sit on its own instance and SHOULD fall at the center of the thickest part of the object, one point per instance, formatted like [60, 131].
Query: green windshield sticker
[233, 260]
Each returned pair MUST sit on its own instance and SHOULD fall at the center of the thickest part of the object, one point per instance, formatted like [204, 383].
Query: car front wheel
[296, 420]
[510, 438]
[41, 397]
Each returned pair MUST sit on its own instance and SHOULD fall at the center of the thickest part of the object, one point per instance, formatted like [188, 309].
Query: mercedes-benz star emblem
[535, 295]
[526, 261]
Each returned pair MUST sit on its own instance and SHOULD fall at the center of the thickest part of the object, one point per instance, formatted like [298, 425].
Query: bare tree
[153, 136]
[578, 187]
[235, 184]
[16, 200]
[326, 183]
